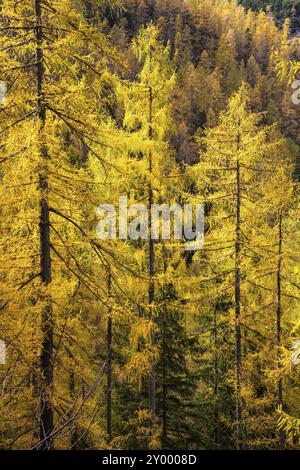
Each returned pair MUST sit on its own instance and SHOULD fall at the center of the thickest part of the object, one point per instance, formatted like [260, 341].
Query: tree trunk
[109, 368]
[46, 420]
[164, 385]
[278, 327]
[215, 365]
[237, 308]
[151, 292]
[74, 435]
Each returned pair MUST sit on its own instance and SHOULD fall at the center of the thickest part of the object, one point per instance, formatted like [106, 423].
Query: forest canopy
[142, 343]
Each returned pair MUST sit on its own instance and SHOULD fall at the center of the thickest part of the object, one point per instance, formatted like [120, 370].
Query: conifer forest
[113, 336]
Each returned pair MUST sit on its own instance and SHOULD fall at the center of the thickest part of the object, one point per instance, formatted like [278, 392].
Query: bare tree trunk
[109, 368]
[74, 434]
[215, 365]
[46, 423]
[278, 327]
[164, 385]
[237, 308]
[151, 291]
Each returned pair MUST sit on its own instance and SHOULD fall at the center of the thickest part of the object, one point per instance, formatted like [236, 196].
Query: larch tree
[277, 206]
[138, 343]
[236, 155]
[55, 65]
[147, 111]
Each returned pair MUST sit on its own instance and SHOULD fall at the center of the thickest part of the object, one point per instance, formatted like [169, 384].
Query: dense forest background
[134, 344]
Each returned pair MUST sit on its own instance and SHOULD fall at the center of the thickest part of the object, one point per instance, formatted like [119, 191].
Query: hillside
[122, 330]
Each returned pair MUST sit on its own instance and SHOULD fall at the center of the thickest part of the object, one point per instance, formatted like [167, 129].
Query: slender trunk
[46, 423]
[109, 368]
[215, 365]
[164, 385]
[151, 292]
[278, 327]
[74, 435]
[237, 308]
